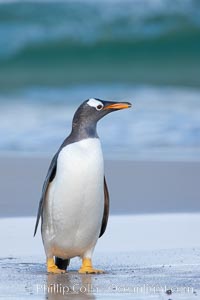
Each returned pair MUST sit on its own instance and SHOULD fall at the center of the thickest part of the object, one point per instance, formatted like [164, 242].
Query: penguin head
[93, 109]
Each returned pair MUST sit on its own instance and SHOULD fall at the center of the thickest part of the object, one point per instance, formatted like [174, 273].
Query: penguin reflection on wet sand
[74, 205]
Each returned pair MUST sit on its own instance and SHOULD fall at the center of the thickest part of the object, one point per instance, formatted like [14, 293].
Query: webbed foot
[52, 268]
[87, 267]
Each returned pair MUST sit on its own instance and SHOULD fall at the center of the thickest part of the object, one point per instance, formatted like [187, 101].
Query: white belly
[74, 206]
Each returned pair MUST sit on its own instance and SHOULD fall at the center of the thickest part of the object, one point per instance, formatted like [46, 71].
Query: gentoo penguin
[74, 205]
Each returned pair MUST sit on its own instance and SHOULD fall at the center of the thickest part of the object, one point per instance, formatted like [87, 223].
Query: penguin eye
[99, 107]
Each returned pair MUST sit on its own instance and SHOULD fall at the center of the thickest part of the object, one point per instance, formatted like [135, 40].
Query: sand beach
[135, 186]
[151, 245]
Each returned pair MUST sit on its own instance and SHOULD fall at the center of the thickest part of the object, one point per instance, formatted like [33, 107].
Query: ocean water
[55, 54]
[48, 42]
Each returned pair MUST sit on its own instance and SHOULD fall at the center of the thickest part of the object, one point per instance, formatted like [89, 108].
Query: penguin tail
[62, 263]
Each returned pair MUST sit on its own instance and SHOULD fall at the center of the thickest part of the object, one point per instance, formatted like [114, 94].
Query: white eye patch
[95, 103]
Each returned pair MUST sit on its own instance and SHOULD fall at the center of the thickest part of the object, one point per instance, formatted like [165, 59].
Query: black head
[91, 111]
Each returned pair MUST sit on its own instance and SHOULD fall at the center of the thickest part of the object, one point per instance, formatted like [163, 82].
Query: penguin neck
[84, 131]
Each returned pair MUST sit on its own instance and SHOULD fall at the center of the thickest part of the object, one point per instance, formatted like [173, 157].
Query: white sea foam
[163, 123]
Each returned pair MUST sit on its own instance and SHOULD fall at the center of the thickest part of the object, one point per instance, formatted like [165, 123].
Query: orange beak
[118, 105]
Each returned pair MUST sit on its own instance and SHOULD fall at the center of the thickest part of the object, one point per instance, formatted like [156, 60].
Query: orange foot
[52, 268]
[87, 268]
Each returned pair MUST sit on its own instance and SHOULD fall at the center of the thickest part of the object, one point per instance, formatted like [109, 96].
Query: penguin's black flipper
[62, 263]
[106, 209]
[50, 176]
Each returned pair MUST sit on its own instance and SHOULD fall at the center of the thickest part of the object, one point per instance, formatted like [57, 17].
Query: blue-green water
[55, 54]
[70, 42]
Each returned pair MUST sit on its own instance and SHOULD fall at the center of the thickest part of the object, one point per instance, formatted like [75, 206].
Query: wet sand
[143, 257]
[135, 187]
